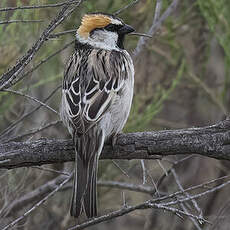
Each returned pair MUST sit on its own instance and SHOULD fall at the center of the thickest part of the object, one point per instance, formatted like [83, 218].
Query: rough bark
[210, 141]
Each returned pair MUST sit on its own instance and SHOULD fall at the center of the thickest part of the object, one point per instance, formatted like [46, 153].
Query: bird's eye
[112, 27]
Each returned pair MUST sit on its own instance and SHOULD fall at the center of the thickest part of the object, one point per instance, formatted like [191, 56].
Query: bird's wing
[90, 83]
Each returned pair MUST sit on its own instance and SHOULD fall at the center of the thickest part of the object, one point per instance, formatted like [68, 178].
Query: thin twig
[203, 185]
[191, 218]
[162, 167]
[157, 11]
[43, 61]
[122, 170]
[188, 195]
[126, 7]
[178, 211]
[153, 29]
[51, 170]
[127, 209]
[127, 186]
[19, 21]
[37, 204]
[182, 200]
[8, 77]
[38, 6]
[159, 182]
[55, 35]
[43, 190]
[109, 216]
[33, 131]
[9, 128]
[144, 171]
[31, 98]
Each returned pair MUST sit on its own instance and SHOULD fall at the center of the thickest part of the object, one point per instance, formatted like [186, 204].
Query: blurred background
[182, 80]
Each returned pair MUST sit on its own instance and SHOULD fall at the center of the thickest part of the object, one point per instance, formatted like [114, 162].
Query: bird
[97, 94]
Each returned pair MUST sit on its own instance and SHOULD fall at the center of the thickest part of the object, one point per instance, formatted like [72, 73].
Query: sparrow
[97, 93]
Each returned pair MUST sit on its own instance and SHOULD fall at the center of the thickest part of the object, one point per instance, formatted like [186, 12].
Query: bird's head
[103, 31]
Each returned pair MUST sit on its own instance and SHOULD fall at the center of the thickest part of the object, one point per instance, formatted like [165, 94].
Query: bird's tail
[88, 148]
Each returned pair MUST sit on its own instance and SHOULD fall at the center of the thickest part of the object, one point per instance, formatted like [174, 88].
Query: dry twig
[37, 204]
[20, 21]
[31, 98]
[8, 77]
[155, 25]
[38, 6]
[5, 132]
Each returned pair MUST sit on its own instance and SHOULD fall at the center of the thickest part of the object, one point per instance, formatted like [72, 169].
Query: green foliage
[216, 13]
[140, 121]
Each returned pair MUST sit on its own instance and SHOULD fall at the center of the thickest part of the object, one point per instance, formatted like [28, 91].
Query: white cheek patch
[101, 39]
[116, 21]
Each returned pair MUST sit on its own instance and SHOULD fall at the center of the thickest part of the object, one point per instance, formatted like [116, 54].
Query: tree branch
[210, 141]
[8, 77]
[20, 21]
[38, 6]
[157, 22]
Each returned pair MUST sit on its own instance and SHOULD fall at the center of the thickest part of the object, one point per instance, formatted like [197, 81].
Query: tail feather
[88, 150]
[80, 183]
[90, 199]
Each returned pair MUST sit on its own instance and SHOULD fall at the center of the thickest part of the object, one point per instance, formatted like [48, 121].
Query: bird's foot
[114, 140]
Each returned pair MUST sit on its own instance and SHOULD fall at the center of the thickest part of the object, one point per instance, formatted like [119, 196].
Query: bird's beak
[126, 29]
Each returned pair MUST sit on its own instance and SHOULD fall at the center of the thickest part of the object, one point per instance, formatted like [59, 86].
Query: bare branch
[127, 209]
[31, 98]
[38, 6]
[192, 188]
[126, 7]
[33, 131]
[211, 141]
[20, 21]
[157, 11]
[122, 170]
[51, 170]
[43, 61]
[155, 26]
[33, 196]
[131, 187]
[37, 204]
[8, 77]
[186, 193]
[56, 35]
[42, 191]
[191, 218]
[109, 216]
[144, 170]
[193, 201]
[178, 211]
[215, 188]
[9, 128]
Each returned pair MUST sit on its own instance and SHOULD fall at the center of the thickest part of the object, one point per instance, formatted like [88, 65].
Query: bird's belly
[114, 120]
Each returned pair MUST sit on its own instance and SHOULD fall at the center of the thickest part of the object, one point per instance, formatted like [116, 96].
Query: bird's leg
[114, 139]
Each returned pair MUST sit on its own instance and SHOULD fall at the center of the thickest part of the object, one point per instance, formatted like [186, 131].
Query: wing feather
[90, 83]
